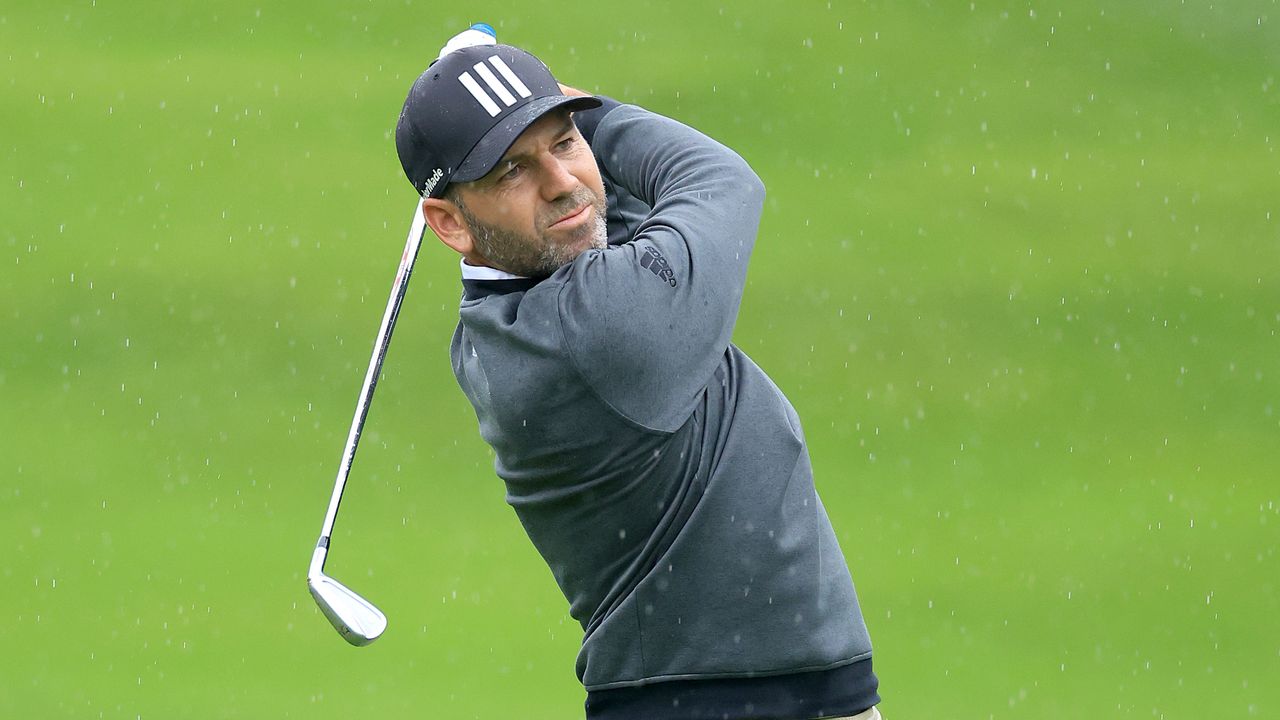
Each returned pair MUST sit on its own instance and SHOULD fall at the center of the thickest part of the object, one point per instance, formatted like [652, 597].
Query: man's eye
[566, 143]
[512, 172]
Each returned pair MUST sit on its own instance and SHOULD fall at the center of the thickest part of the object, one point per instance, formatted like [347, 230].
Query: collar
[479, 281]
[483, 272]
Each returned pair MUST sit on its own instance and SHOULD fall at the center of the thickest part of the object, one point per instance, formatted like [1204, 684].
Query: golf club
[356, 619]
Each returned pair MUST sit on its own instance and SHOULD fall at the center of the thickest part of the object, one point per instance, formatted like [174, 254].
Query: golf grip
[380, 345]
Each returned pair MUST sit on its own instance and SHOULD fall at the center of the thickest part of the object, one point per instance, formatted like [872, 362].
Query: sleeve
[625, 211]
[648, 322]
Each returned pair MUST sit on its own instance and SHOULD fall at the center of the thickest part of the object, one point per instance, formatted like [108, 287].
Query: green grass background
[1019, 271]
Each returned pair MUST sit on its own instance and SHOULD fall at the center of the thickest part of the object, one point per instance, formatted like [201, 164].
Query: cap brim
[490, 149]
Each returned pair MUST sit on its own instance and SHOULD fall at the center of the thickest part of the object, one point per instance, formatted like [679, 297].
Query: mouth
[574, 218]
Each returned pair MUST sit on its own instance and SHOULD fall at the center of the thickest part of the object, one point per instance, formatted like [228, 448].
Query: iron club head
[355, 619]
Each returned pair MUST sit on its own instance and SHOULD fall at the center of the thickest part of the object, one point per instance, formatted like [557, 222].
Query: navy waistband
[846, 690]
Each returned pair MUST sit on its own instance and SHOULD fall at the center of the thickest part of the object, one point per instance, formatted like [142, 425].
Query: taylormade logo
[494, 84]
[430, 184]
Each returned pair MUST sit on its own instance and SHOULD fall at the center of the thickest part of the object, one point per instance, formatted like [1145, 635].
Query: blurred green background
[1019, 271]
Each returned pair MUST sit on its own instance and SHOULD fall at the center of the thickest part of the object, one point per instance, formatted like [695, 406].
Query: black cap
[465, 111]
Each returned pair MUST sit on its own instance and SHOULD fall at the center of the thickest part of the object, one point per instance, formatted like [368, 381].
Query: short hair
[453, 193]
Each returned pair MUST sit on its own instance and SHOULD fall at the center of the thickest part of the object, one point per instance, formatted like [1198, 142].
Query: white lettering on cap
[431, 182]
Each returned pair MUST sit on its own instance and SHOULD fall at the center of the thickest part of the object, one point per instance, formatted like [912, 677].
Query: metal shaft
[380, 344]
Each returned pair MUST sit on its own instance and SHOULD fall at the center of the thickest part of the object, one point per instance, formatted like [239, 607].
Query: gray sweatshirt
[661, 474]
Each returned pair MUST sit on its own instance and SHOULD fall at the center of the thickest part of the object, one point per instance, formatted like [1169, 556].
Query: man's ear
[447, 223]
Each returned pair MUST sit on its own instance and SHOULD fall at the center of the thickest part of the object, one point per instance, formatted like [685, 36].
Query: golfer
[660, 473]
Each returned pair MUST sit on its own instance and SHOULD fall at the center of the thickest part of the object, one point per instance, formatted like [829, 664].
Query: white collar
[483, 272]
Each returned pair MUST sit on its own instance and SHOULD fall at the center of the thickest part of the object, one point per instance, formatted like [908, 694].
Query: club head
[356, 619]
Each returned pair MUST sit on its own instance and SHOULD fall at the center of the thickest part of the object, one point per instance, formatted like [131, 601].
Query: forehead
[545, 127]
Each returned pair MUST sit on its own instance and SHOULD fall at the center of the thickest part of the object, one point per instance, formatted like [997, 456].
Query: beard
[539, 255]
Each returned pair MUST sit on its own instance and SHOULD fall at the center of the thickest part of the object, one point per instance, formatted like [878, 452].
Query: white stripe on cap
[506, 97]
[510, 77]
[478, 93]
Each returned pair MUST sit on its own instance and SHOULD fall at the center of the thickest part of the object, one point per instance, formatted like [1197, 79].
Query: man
[660, 473]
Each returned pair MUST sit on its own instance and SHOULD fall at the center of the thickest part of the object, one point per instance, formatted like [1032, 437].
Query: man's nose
[558, 181]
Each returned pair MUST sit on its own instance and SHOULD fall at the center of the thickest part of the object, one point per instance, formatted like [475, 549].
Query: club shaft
[380, 345]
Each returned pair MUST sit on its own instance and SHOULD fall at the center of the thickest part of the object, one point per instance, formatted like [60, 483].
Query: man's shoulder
[512, 362]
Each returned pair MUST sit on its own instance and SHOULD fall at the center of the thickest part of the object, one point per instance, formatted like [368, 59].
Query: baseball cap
[465, 111]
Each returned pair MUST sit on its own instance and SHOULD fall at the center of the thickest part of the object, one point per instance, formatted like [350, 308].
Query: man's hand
[572, 91]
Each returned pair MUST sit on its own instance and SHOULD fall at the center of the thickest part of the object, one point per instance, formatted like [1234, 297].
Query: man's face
[542, 205]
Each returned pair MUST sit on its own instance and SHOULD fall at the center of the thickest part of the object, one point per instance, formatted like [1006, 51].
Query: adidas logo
[502, 93]
[657, 265]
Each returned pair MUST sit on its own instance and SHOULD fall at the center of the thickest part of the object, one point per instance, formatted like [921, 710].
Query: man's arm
[625, 211]
[648, 322]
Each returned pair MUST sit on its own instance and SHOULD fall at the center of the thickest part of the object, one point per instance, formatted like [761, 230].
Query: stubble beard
[539, 256]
